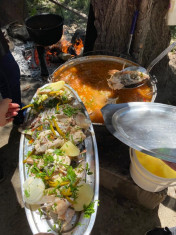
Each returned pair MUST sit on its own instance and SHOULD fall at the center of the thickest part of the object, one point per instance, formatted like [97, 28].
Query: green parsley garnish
[71, 175]
[29, 153]
[50, 172]
[35, 169]
[72, 178]
[88, 169]
[79, 224]
[67, 135]
[41, 213]
[64, 98]
[48, 159]
[27, 194]
[89, 210]
[69, 111]
[59, 152]
[36, 156]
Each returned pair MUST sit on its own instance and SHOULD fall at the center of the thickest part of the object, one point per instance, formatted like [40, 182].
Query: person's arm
[4, 47]
[7, 111]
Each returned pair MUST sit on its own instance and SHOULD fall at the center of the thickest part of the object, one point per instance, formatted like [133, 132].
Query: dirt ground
[116, 215]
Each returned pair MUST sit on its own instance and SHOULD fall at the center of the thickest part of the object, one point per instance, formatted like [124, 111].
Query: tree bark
[152, 35]
[111, 20]
[11, 11]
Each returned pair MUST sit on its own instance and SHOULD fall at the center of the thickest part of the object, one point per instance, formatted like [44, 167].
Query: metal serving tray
[43, 225]
[147, 127]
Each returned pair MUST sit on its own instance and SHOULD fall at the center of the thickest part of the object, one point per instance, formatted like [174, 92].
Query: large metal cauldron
[85, 75]
[45, 29]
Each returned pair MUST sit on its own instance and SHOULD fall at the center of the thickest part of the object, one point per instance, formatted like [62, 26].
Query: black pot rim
[60, 24]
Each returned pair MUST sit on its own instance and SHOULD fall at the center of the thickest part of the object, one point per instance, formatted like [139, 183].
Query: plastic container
[171, 16]
[147, 180]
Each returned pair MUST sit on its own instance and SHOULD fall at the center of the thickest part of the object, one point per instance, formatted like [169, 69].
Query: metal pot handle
[158, 58]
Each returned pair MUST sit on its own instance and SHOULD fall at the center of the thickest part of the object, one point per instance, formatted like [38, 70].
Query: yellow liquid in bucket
[155, 166]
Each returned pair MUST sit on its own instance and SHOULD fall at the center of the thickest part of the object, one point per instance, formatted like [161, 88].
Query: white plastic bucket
[145, 179]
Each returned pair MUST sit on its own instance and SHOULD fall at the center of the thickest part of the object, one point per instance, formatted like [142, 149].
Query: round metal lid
[147, 127]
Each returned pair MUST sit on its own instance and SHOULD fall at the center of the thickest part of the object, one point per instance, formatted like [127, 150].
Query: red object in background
[171, 165]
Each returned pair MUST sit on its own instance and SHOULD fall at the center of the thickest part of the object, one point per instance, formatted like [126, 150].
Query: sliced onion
[33, 190]
[85, 195]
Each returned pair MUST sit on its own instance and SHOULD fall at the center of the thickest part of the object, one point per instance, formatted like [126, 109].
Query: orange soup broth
[89, 79]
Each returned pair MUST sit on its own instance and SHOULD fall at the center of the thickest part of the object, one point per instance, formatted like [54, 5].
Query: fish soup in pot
[88, 76]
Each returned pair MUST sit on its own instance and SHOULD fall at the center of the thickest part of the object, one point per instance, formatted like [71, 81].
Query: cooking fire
[61, 51]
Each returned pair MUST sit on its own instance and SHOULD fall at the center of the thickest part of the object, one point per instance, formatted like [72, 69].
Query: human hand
[7, 111]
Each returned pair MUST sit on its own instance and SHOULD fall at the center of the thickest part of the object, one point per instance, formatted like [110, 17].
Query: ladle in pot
[149, 68]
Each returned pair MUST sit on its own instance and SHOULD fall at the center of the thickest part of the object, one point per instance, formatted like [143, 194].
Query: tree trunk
[109, 26]
[152, 35]
[11, 11]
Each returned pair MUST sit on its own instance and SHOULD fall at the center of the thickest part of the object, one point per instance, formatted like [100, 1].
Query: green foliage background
[40, 6]
[173, 32]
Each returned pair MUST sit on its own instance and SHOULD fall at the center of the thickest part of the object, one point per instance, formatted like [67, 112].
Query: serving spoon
[149, 68]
